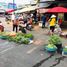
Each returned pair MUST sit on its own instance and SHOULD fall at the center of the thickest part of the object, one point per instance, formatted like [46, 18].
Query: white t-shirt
[31, 15]
[58, 30]
[13, 17]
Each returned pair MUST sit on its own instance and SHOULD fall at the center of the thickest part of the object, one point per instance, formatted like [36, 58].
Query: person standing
[15, 23]
[52, 23]
[60, 21]
[43, 19]
[1, 27]
[35, 17]
[13, 17]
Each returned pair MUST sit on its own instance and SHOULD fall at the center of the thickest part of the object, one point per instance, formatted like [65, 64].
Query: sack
[23, 25]
[46, 24]
[40, 24]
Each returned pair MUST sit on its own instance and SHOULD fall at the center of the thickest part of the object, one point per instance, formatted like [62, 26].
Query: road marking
[31, 50]
[6, 50]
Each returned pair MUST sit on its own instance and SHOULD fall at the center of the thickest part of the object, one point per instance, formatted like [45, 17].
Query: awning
[29, 8]
[43, 10]
[57, 10]
[2, 11]
[17, 11]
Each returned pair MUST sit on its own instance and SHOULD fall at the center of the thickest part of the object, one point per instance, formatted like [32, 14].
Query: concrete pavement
[15, 55]
[20, 56]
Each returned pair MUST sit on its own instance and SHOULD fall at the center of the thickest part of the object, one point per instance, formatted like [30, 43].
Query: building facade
[48, 4]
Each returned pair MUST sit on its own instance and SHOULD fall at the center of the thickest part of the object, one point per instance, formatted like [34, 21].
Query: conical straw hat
[53, 16]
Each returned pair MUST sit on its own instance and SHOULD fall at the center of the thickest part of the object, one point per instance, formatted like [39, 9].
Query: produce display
[65, 50]
[16, 37]
[51, 47]
[55, 39]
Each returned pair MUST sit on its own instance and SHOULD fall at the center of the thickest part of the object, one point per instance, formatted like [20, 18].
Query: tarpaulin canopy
[28, 8]
[57, 10]
[9, 10]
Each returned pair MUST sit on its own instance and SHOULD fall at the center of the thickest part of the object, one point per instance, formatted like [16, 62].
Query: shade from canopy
[29, 8]
[57, 10]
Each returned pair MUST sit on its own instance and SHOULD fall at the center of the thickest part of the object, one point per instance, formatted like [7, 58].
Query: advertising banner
[12, 6]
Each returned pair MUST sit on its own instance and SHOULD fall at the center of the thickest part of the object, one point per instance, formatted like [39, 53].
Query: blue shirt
[43, 18]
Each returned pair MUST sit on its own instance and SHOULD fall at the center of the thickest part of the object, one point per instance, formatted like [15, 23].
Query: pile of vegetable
[65, 50]
[54, 43]
[55, 39]
[51, 47]
[16, 37]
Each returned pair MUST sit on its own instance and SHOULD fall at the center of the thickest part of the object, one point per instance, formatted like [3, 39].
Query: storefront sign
[12, 6]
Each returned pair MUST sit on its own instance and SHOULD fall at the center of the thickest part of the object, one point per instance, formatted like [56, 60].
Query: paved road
[34, 55]
[14, 55]
[27, 56]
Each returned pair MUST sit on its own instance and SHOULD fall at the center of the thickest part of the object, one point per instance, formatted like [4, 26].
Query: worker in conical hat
[52, 23]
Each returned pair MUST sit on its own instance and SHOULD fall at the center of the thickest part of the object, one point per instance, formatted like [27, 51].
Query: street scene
[33, 33]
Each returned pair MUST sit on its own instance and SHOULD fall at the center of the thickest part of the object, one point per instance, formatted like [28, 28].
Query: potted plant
[56, 40]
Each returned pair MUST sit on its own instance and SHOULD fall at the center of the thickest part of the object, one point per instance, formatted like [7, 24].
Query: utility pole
[13, 6]
[13, 3]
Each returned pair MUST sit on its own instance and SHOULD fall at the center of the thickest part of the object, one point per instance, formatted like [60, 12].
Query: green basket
[3, 37]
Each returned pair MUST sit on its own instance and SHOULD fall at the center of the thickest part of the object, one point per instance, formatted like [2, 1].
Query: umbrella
[57, 10]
